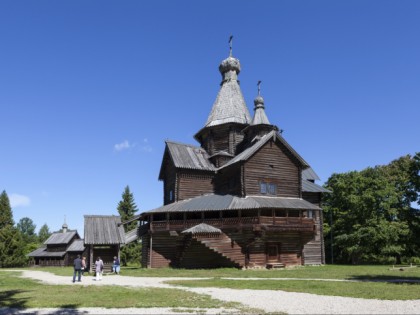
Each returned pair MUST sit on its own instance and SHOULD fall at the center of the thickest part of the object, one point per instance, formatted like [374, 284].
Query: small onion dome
[259, 101]
[230, 63]
[65, 226]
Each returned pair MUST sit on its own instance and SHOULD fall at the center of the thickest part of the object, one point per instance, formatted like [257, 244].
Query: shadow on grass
[9, 299]
[388, 279]
[64, 310]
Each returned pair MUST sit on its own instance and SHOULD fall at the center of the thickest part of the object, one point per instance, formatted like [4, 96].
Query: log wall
[192, 184]
[273, 163]
[169, 183]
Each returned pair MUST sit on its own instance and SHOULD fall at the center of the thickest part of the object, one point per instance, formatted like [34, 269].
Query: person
[83, 265]
[77, 269]
[99, 267]
[116, 265]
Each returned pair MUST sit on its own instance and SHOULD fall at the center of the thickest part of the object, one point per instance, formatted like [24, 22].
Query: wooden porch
[256, 223]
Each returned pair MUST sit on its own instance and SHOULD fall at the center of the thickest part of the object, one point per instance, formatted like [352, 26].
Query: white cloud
[146, 147]
[17, 200]
[125, 145]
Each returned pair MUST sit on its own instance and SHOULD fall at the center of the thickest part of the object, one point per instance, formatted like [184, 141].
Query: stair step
[274, 265]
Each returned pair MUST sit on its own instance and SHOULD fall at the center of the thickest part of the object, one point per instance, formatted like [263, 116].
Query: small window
[272, 189]
[263, 187]
[310, 214]
[171, 195]
[268, 188]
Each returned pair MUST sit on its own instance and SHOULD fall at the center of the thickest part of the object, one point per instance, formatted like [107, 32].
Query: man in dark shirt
[77, 269]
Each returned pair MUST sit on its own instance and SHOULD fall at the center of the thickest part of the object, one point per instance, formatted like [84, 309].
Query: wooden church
[243, 198]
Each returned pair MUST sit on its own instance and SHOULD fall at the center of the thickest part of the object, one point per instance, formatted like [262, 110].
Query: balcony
[257, 223]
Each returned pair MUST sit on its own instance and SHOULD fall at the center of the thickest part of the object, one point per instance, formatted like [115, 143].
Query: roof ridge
[181, 143]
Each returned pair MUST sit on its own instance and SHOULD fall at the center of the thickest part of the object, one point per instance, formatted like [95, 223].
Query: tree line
[373, 216]
[18, 240]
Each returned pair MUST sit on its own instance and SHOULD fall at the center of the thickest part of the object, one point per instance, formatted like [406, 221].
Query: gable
[186, 157]
[103, 230]
[273, 136]
[273, 163]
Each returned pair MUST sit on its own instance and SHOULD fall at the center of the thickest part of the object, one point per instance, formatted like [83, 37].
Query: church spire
[230, 106]
[259, 116]
[64, 226]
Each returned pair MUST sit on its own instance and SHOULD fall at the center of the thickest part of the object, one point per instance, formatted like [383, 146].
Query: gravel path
[267, 300]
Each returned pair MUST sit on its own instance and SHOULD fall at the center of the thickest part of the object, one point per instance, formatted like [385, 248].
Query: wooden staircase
[182, 245]
[225, 246]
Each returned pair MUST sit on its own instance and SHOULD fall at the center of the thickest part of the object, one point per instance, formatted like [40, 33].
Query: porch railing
[285, 223]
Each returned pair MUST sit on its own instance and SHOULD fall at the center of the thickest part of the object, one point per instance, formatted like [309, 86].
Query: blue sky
[90, 90]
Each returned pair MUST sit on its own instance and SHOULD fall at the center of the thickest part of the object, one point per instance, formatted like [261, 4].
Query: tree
[6, 215]
[44, 233]
[11, 248]
[127, 208]
[371, 218]
[27, 227]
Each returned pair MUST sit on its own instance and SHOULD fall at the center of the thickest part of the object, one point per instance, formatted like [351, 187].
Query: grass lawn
[111, 296]
[314, 272]
[25, 293]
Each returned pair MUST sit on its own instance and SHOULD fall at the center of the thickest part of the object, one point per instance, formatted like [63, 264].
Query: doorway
[273, 252]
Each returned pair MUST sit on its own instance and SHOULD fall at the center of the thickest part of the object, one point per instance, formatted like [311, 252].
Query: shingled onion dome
[230, 106]
[230, 68]
[259, 116]
[64, 227]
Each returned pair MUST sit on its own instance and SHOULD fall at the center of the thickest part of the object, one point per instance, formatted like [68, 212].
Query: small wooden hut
[104, 236]
[60, 249]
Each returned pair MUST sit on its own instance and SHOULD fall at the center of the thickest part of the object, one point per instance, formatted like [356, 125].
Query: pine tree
[6, 215]
[12, 248]
[127, 209]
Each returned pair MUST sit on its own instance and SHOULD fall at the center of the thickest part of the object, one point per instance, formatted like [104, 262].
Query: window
[171, 195]
[272, 189]
[267, 188]
[310, 214]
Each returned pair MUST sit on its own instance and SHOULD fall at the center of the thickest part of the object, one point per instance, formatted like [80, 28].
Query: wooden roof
[60, 238]
[76, 246]
[131, 236]
[42, 252]
[103, 230]
[213, 202]
[229, 107]
[186, 156]
[202, 228]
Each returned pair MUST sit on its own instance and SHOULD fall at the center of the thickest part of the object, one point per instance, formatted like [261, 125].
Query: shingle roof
[213, 202]
[76, 246]
[260, 116]
[229, 107]
[308, 186]
[188, 156]
[42, 252]
[60, 238]
[202, 228]
[247, 153]
[103, 229]
[310, 174]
